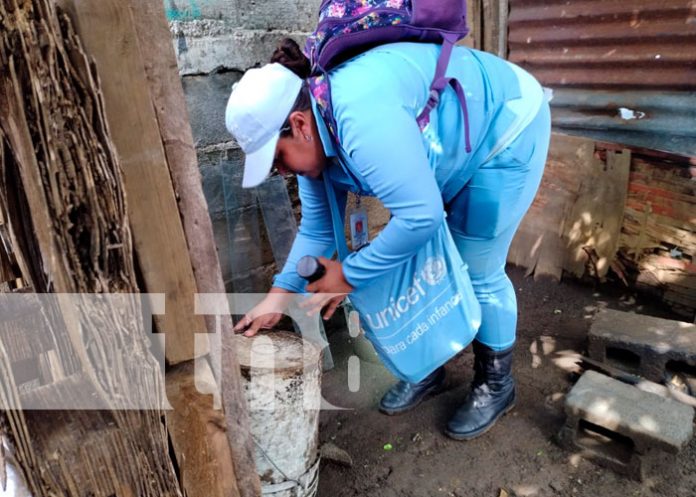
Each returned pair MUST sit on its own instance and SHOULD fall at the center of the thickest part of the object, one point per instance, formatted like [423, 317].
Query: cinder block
[257, 280]
[232, 168]
[618, 426]
[204, 47]
[206, 100]
[222, 243]
[177, 10]
[222, 171]
[288, 15]
[211, 178]
[648, 346]
[266, 14]
[249, 247]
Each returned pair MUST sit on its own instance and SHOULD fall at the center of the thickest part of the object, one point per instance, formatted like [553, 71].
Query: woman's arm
[315, 235]
[386, 147]
[266, 314]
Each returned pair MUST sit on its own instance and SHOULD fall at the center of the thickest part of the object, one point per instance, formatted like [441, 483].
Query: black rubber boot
[492, 394]
[405, 396]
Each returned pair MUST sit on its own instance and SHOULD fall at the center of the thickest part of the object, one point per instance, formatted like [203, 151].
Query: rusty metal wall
[621, 70]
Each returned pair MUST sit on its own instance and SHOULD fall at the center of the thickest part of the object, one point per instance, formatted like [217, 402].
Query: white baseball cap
[258, 106]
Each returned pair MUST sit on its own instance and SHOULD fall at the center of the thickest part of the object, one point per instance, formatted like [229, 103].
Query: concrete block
[214, 195]
[206, 99]
[249, 247]
[211, 178]
[204, 47]
[651, 347]
[241, 236]
[222, 243]
[293, 192]
[616, 425]
[648, 419]
[222, 169]
[187, 10]
[289, 15]
[257, 280]
[267, 14]
[278, 217]
[232, 168]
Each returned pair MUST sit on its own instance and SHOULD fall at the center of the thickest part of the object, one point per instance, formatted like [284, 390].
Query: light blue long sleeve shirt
[376, 98]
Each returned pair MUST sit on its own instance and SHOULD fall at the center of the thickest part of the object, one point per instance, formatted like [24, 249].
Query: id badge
[359, 230]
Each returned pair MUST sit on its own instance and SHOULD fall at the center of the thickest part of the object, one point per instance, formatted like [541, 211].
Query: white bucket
[281, 376]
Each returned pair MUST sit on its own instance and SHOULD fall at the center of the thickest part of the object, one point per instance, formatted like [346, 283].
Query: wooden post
[108, 33]
[66, 218]
[495, 15]
[169, 103]
[579, 207]
[474, 14]
[198, 434]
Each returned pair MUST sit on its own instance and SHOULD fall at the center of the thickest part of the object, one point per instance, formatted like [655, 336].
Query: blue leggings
[484, 217]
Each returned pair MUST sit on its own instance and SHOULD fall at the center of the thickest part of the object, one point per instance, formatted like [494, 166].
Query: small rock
[416, 438]
[557, 486]
[331, 453]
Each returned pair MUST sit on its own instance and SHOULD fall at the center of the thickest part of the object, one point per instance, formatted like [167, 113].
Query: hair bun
[290, 55]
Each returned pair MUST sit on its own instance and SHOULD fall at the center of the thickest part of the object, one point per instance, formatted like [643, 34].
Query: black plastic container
[310, 268]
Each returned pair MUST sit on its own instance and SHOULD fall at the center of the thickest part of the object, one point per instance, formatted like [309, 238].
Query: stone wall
[215, 42]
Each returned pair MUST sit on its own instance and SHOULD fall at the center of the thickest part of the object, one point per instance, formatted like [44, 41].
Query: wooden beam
[107, 30]
[198, 433]
[474, 12]
[169, 104]
[14, 124]
[170, 107]
[75, 239]
[495, 27]
[105, 464]
[594, 220]
[16, 130]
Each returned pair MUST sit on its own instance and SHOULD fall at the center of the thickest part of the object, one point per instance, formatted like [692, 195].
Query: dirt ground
[518, 455]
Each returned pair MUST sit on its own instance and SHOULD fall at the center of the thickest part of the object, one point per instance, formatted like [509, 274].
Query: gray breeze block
[643, 345]
[626, 429]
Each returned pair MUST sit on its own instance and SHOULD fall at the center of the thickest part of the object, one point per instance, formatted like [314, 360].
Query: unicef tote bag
[420, 314]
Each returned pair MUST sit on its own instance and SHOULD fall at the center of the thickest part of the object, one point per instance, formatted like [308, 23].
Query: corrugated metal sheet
[621, 70]
[656, 120]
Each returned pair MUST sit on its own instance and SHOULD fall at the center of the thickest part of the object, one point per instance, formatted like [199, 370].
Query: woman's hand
[266, 314]
[330, 289]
